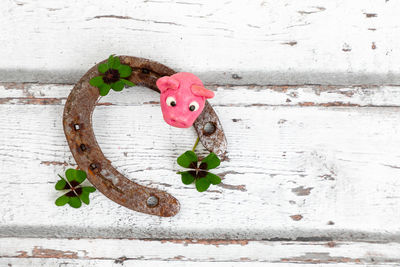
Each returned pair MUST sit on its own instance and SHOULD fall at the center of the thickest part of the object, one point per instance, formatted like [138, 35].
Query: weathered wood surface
[107, 252]
[313, 171]
[306, 163]
[225, 42]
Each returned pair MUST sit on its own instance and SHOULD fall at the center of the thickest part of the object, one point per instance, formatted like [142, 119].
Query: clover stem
[195, 144]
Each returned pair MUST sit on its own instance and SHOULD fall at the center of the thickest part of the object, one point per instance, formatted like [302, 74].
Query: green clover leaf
[118, 86]
[75, 202]
[117, 63]
[104, 89]
[102, 69]
[211, 161]
[186, 159]
[85, 198]
[187, 178]
[74, 175]
[202, 184]
[110, 61]
[62, 184]
[113, 73]
[128, 83]
[61, 201]
[96, 81]
[212, 178]
[198, 172]
[124, 71]
[76, 193]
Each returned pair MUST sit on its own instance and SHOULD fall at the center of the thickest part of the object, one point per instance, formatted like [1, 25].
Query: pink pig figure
[182, 98]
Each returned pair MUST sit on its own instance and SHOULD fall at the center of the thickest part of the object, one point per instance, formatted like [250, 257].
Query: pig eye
[171, 101]
[194, 106]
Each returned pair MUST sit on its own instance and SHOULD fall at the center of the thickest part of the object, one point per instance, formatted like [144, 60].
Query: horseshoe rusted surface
[77, 121]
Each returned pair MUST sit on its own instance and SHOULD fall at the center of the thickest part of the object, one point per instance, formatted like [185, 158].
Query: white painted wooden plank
[305, 173]
[246, 42]
[139, 263]
[225, 252]
[386, 96]
[33, 262]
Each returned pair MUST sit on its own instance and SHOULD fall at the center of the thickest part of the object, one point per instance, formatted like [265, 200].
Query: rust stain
[331, 223]
[212, 242]
[56, 163]
[296, 217]
[302, 191]
[241, 187]
[372, 29]
[152, 102]
[331, 244]
[370, 15]
[320, 258]
[22, 254]
[105, 104]
[348, 93]
[179, 257]
[11, 85]
[329, 104]
[291, 43]
[31, 101]
[282, 88]
[373, 46]
[39, 252]
[42, 101]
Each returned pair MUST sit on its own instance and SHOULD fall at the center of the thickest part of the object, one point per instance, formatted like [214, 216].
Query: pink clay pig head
[182, 98]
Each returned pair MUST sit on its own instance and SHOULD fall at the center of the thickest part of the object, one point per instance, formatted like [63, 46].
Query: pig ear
[167, 82]
[201, 91]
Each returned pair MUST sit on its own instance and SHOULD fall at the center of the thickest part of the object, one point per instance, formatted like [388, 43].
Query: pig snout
[178, 120]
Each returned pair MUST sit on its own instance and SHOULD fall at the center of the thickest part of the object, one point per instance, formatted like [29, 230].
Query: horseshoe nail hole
[145, 71]
[209, 128]
[83, 147]
[93, 166]
[77, 127]
[152, 201]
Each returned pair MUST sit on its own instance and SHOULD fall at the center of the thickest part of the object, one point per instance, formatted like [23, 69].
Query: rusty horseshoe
[77, 122]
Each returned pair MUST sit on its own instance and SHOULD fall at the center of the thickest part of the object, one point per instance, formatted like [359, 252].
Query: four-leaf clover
[76, 193]
[114, 72]
[199, 170]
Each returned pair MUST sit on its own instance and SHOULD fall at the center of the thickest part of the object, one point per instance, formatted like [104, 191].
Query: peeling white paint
[225, 42]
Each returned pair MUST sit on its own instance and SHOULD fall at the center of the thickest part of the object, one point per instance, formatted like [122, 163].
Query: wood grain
[224, 42]
[105, 252]
[305, 172]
